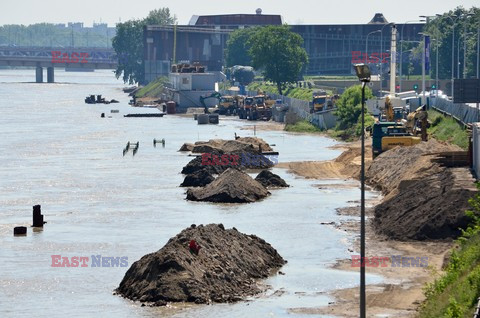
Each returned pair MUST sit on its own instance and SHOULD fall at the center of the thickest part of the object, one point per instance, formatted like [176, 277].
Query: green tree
[128, 44]
[279, 52]
[349, 106]
[237, 51]
[441, 28]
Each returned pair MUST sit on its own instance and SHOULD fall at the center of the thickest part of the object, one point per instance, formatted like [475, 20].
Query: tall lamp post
[381, 50]
[366, 43]
[366, 51]
[453, 42]
[458, 53]
[401, 49]
[465, 43]
[364, 75]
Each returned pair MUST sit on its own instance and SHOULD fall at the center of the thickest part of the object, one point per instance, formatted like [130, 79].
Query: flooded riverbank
[59, 152]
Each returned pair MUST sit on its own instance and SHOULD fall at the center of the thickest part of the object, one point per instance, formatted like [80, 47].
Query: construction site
[308, 180]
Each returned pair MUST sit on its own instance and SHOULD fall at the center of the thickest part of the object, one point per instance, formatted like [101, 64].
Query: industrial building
[329, 47]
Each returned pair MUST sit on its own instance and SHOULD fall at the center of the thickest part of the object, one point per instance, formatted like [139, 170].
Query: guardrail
[462, 113]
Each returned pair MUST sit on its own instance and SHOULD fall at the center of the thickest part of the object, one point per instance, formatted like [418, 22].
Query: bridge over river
[71, 58]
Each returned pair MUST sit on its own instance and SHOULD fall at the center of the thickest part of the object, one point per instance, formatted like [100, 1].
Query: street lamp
[458, 53]
[453, 42]
[381, 50]
[364, 75]
[423, 65]
[465, 43]
[366, 44]
[401, 48]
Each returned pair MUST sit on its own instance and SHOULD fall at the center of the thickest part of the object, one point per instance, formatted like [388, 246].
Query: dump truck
[319, 102]
[226, 105]
[261, 108]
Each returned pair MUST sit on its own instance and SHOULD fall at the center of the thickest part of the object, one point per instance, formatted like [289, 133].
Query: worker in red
[194, 247]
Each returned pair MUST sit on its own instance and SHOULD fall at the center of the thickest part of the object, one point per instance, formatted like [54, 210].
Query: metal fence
[463, 113]
[323, 120]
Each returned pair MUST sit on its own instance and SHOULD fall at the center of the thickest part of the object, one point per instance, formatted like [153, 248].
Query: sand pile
[347, 165]
[219, 155]
[242, 144]
[232, 186]
[423, 200]
[224, 270]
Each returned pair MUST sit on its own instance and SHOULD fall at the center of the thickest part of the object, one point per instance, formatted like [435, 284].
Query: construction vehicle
[387, 135]
[417, 122]
[226, 105]
[244, 110]
[213, 95]
[319, 102]
[261, 108]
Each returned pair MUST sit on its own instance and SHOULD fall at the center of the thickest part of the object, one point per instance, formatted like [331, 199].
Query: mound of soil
[198, 178]
[242, 144]
[270, 180]
[224, 270]
[232, 186]
[243, 161]
[423, 200]
[186, 147]
[196, 165]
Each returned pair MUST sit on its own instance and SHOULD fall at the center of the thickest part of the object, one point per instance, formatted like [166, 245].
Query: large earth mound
[423, 200]
[232, 186]
[225, 269]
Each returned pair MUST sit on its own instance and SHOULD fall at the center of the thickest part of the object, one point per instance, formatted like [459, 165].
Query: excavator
[213, 95]
[417, 122]
[390, 134]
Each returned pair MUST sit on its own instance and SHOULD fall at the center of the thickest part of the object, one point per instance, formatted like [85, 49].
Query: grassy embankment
[447, 129]
[153, 89]
[293, 92]
[455, 293]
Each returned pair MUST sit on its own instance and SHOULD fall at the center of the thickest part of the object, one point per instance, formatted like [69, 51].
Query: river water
[56, 151]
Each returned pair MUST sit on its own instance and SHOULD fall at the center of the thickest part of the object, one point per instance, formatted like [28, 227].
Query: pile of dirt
[270, 180]
[186, 147]
[196, 165]
[198, 178]
[225, 269]
[423, 200]
[242, 144]
[232, 186]
[347, 165]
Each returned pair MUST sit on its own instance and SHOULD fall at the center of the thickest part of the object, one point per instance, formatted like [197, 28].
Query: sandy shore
[402, 290]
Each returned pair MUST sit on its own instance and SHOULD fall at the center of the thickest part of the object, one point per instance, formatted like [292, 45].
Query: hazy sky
[294, 12]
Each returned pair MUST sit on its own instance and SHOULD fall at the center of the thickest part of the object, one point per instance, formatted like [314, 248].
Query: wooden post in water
[20, 230]
[37, 216]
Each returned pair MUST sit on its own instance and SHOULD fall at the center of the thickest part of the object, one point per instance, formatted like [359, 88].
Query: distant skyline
[302, 12]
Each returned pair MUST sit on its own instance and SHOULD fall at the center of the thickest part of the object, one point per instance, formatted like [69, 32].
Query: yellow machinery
[319, 101]
[417, 122]
[226, 104]
[389, 114]
[398, 136]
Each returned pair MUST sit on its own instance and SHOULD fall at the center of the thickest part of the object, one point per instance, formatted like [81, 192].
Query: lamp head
[363, 72]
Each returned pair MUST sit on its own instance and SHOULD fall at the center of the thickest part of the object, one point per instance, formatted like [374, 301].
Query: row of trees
[128, 44]
[51, 35]
[440, 29]
[275, 50]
